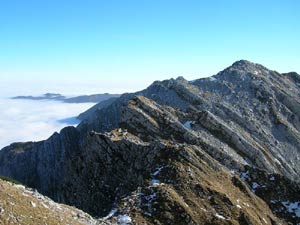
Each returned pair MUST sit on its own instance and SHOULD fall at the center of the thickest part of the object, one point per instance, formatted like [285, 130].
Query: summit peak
[245, 66]
[242, 62]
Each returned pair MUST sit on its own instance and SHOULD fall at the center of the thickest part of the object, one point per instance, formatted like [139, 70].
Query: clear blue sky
[143, 40]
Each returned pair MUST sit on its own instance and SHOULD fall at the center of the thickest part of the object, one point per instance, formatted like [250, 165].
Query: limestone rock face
[218, 150]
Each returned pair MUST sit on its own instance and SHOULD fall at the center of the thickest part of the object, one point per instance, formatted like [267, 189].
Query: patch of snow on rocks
[212, 78]
[188, 124]
[255, 186]
[292, 207]
[246, 204]
[155, 182]
[124, 219]
[110, 214]
[245, 176]
[1, 210]
[220, 216]
[33, 204]
[203, 209]
[157, 171]
[265, 221]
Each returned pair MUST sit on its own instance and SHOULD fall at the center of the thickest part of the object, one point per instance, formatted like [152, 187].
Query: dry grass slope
[20, 205]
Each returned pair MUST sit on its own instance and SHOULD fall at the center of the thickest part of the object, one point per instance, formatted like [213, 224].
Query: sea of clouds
[28, 120]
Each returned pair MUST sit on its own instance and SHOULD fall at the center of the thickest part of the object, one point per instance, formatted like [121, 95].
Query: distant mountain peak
[181, 78]
[247, 66]
[242, 62]
[242, 69]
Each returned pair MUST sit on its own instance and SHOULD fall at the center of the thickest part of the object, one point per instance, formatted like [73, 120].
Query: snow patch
[245, 176]
[155, 182]
[45, 206]
[33, 204]
[265, 220]
[292, 207]
[110, 214]
[1, 210]
[157, 171]
[203, 209]
[147, 214]
[255, 186]
[188, 124]
[246, 204]
[220, 216]
[124, 219]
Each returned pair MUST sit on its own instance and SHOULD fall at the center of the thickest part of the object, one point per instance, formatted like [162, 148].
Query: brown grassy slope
[19, 205]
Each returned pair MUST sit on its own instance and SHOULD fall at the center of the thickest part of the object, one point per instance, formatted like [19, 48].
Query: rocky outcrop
[82, 173]
[178, 152]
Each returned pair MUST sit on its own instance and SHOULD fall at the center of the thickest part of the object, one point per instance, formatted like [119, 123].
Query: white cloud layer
[26, 120]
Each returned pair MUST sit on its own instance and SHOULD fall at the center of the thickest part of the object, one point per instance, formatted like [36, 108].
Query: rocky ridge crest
[218, 150]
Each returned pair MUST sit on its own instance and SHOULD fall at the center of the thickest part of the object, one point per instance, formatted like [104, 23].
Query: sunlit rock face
[218, 150]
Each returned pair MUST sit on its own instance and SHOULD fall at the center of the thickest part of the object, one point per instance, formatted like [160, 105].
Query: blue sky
[134, 42]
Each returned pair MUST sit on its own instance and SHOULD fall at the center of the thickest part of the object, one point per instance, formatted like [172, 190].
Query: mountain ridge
[95, 98]
[240, 126]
